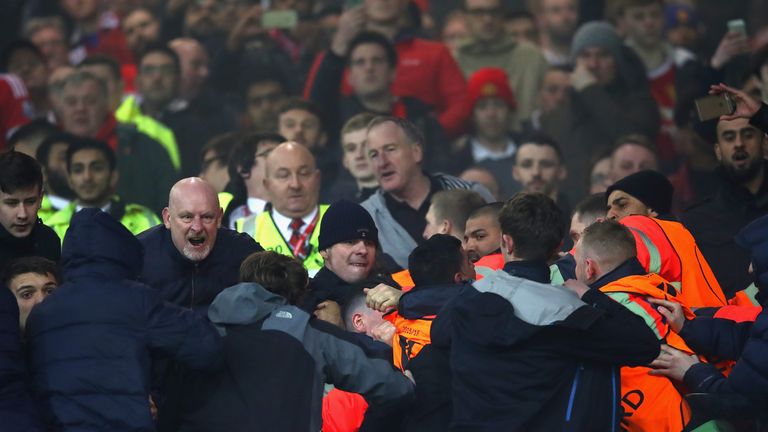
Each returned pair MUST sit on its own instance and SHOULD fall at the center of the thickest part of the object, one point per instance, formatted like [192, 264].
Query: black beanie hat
[343, 221]
[651, 187]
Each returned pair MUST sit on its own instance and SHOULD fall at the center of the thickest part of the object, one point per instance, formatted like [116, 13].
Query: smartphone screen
[281, 19]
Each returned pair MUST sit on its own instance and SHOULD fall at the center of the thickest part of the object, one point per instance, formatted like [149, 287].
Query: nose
[38, 297]
[360, 248]
[197, 224]
[612, 214]
[294, 181]
[22, 212]
[87, 174]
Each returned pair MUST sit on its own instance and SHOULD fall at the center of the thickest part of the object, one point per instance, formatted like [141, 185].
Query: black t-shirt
[413, 220]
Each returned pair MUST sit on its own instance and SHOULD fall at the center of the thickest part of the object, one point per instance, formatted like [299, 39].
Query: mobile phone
[737, 26]
[713, 106]
[279, 19]
[349, 4]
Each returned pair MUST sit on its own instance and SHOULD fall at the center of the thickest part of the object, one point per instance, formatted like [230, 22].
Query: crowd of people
[401, 215]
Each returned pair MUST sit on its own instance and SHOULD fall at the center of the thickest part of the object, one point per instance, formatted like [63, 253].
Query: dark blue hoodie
[90, 341]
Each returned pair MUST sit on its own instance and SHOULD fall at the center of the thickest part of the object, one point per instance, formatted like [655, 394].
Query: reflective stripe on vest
[263, 229]
[409, 338]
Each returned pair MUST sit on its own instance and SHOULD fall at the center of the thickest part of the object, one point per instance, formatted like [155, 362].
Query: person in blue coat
[92, 340]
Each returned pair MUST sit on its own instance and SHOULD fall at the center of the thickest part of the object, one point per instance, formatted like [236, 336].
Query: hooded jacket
[193, 284]
[560, 354]
[278, 359]
[91, 340]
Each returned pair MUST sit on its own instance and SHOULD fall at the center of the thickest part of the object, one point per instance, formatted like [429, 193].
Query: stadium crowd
[370, 215]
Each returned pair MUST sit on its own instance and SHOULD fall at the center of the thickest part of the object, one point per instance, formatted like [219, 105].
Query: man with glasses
[490, 45]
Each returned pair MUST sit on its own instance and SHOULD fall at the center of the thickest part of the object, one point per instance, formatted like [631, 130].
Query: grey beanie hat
[596, 34]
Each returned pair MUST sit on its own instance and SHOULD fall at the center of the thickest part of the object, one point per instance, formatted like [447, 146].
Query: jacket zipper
[572, 398]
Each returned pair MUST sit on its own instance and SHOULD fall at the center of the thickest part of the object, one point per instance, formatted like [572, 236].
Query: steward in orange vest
[650, 403]
[668, 249]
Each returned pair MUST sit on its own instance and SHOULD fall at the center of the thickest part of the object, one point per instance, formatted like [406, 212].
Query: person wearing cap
[609, 98]
[372, 61]
[489, 45]
[490, 143]
[643, 202]
[347, 243]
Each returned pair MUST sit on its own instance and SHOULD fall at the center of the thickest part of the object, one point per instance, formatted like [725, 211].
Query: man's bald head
[292, 180]
[193, 216]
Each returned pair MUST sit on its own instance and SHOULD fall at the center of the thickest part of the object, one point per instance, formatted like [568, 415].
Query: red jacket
[426, 71]
[13, 95]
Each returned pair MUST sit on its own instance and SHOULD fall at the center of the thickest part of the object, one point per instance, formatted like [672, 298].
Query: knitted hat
[343, 221]
[596, 34]
[490, 82]
[651, 187]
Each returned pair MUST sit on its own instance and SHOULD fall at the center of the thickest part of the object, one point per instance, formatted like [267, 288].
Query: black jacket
[91, 341]
[715, 222]
[42, 241]
[550, 362]
[193, 284]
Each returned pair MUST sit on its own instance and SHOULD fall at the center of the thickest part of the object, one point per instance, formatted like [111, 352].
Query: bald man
[190, 258]
[291, 224]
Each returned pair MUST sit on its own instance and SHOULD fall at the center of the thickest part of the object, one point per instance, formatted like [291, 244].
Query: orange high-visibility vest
[484, 265]
[409, 338]
[668, 249]
[650, 403]
[403, 278]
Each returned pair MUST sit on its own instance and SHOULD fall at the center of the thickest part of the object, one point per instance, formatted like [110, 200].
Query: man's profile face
[18, 210]
[193, 221]
[370, 73]
[622, 204]
[29, 290]
[537, 168]
[352, 260]
[482, 236]
[301, 126]
[91, 177]
[740, 149]
[83, 108]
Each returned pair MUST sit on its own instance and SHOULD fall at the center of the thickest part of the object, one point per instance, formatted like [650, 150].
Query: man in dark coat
[91, 341]
[189, 258]
[741, 197]
[21, 193]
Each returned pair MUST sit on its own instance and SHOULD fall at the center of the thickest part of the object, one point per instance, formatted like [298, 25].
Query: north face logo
[284, 314]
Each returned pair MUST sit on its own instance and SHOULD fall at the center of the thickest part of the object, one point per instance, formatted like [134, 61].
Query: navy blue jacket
[91, 340]
[42, 241]
[16, 410]
[193, 284]
[509, 374]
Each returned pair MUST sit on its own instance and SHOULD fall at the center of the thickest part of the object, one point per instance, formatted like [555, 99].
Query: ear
[219, 217]
[718, 153]
[167, 218]
[358, 323]
[507, 244]
[562, 173]
[592, 269]
[652, 213]
[324, 254]
[458, 277]
[515, 174]
[445, 227]
[323, 140]
[418, 153]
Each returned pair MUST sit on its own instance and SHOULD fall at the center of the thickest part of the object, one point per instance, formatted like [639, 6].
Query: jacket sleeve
[347, 368]
[760, 119]
[325, 89]
[717, 337]
[618, 336]
[453, 107]
[180, 333]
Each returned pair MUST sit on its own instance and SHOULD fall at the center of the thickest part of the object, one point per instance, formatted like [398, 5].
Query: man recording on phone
[742, 195]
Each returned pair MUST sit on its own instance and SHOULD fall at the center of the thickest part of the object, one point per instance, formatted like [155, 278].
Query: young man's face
[645, 24]
[490, 117]
[29, 290]
[559, 18]
[523, 29]
[158, 78]
[631, 158]
[262, 99]
[370, 73]
[538, 169]
[554, 90]
[484, 19]
[355, 159]
[622, 204]
[352, 260]
[599, 63]
[18, 210]
[482, 236]
[83, 108]
[740, 149]
[91, 178]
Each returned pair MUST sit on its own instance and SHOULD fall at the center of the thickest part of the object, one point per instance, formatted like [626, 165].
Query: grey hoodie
[337, 361]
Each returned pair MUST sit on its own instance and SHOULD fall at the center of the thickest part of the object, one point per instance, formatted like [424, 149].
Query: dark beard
[57, 185]
[746, 174]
